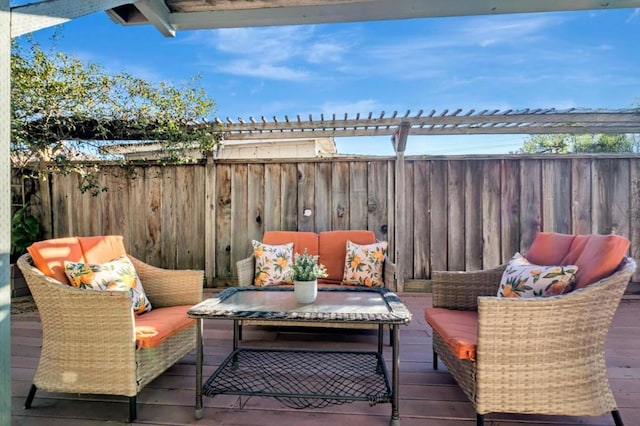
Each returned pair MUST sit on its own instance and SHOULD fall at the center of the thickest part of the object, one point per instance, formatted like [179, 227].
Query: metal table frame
[215, 308]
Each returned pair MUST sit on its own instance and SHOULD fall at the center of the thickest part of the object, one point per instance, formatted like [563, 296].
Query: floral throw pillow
[363, 264]
[118, 274]
[524, 279]
[273, 263]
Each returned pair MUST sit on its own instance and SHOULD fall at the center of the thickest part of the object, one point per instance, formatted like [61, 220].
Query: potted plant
[305, 274]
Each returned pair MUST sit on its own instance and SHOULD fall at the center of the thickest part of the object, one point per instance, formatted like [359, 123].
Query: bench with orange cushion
[93, 336]
[330, 246]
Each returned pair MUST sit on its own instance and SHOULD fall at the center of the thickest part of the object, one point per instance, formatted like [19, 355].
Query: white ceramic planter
[305, 291]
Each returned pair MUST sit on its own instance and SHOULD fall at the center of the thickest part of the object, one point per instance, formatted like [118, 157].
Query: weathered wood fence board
[456, 214]
[421, 232]
[510, 208]
[461, 212]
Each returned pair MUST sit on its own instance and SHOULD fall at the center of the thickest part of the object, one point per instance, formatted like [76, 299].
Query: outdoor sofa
[330, 246]
[534, 355]
[93, 343]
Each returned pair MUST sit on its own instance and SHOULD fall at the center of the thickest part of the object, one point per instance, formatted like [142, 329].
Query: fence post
[210, 220]
[399, 145]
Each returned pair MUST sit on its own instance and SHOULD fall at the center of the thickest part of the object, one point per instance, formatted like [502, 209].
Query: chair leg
[435, 360]
[32, 394]
[133, 411]
[616, 418]
[479, 420]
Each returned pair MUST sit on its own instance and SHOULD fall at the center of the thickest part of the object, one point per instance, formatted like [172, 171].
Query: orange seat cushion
[333, 250]
[458, 329]
[49, 256]
[549, 248]
[156, 326]
[102, 249]
[600, 256]
[300, 240]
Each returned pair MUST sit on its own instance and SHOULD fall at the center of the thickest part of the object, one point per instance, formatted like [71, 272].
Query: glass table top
[342, 304]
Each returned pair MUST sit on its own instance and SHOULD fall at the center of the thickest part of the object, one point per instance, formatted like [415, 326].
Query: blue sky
[586, 59]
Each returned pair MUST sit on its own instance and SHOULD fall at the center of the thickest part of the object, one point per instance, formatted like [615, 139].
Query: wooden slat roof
[446, 122]
[169, 16]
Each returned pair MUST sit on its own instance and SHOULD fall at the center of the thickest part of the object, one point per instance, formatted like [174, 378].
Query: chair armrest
[246, 271]
[460, 290]
[389, 274]
[557, 329]
[168, 287]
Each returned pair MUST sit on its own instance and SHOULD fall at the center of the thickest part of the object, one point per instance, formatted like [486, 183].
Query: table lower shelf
[303, 378]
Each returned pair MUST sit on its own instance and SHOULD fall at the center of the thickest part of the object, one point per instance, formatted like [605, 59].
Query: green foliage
[547, 144]
[64, 110]
[306, 268]
[588, 143]
[25, 230]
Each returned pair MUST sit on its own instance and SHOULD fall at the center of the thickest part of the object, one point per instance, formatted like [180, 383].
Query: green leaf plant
[65, 112]
[25, 230]
[306, 268]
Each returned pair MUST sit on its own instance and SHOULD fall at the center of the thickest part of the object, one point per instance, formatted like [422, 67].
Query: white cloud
[505, 29]
[363, 107]
[325, 51]
[634, 15]
[277, 53]
[262, 70]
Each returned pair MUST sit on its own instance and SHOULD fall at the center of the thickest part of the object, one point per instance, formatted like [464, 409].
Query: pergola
[170, 16]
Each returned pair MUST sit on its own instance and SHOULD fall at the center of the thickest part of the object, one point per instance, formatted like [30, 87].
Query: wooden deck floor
[427, 397]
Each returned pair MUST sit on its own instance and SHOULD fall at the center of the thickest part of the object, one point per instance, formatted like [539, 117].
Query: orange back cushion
[600, 257]
[300, 240]
[49, 256]
[102, 249]
[549, 248]
[577, 246]
[333, 249]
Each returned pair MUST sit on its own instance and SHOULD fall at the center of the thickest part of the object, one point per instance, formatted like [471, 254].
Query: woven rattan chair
[88, 337]
[536, 355]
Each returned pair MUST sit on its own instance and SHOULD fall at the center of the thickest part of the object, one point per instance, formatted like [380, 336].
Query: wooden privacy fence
[461, 213]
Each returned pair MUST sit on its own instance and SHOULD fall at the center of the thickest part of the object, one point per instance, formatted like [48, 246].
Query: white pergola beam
[377, 10]
[157, 13]
[5, 213]
[36, 16]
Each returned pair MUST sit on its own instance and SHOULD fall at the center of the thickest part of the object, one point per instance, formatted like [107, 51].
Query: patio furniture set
[508, 354]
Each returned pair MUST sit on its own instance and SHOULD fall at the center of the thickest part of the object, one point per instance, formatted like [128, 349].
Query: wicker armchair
[89, 343]
[536, 355]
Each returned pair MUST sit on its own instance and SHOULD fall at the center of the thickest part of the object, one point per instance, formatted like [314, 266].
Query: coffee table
[304, 378]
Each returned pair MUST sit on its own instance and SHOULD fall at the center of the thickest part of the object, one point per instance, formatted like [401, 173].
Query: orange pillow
[102, 249]
[549, 248]
[577, 246]
[333, 250]
[49, 256]
[601, 256]
[300, 240]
